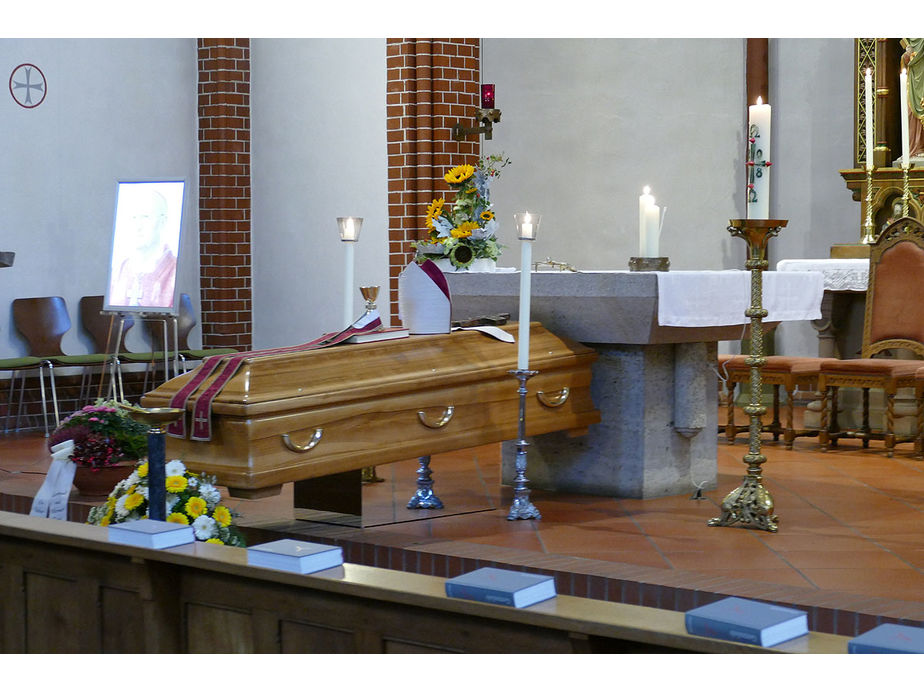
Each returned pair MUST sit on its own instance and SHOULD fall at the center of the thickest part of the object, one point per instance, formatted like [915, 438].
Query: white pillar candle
[348, 285]
[869, 120]
[526, 260]
[652, 231]
[903, 93]
[759, 115]
[645, 200]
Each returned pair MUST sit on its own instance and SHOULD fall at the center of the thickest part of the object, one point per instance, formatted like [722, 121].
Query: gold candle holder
[751, 505]
[906, 191]
[868, 235]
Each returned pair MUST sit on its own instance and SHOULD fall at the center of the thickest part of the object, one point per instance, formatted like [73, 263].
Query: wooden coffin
[307, 414]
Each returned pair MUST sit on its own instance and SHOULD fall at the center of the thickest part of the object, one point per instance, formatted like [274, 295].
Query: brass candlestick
[751, 504]
[868, 235]
[906, 191]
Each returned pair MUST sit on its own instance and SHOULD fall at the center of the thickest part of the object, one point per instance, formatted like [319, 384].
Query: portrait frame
[145, 250]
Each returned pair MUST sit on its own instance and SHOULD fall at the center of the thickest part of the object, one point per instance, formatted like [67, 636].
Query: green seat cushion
[19, 362]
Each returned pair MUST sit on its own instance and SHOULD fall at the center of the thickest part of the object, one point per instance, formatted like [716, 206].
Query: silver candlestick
[522, 508]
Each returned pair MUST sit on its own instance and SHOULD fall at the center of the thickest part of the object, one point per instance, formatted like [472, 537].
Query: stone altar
[654, 383]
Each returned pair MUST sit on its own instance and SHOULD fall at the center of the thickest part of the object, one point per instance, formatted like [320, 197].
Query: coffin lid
[352, 372]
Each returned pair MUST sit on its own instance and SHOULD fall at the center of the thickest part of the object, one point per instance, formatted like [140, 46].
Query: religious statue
[912, 60]
[897, 208]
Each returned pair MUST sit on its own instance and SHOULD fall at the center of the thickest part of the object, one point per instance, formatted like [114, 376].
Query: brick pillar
[224, 193]
[432, 84]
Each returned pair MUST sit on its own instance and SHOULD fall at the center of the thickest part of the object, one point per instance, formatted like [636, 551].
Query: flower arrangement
[192, 499]
[103, 435]
[466, 230]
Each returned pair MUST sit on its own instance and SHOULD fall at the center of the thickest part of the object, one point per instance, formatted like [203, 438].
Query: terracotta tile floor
[851, 522]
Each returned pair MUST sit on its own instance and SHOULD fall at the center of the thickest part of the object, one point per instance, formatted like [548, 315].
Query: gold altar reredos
[885, 187]
[307, 414]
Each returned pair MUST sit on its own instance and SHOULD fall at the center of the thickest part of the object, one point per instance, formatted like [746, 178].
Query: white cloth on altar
[721, 297]
[841, 274]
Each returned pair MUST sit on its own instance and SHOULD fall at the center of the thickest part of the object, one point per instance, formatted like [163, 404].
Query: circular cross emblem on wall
[27, 85]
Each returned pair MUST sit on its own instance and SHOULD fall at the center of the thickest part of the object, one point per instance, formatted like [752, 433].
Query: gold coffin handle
[439, 423]
[556, 399]
[295, 447]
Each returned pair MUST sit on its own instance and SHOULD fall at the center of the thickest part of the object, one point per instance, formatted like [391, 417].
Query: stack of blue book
[748, 621]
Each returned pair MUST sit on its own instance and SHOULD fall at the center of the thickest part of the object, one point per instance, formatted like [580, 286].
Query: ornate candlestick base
[157, 420]
[751, 504]
[522, 508]
[424, 497]
[868, 235]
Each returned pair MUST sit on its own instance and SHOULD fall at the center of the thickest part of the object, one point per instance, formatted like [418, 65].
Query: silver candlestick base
[522, 508]
[424, 497]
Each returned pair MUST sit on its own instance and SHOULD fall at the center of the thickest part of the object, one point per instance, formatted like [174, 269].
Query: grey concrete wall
[114, 109]
[319, 152]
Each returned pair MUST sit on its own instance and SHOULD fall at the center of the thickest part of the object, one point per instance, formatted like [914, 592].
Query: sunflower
[459, 174]
[434, 210]
[487, 215]
[214, 540]
[178, 518]
[464, 230]
[461, 256]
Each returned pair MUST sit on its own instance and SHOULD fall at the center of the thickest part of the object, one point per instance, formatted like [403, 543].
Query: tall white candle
[759, 115]
[903, 93]
[645, 200]
[526, 260]
[348, 285]
[652, 230]
[869, 120]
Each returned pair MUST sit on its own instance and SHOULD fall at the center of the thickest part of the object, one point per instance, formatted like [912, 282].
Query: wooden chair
[104, 330]
[789, 372]
[18, 366]
[43, 321]
[894, 319]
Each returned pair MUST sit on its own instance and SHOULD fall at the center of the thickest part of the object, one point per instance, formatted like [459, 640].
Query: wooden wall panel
[65, 588]
[120, 632]
[53, 622]
[214, 629]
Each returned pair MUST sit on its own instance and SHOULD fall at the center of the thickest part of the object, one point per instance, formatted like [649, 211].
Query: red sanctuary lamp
[485, 117]
[487, 96]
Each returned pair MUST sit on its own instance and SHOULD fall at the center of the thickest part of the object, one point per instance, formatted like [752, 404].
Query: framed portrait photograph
[145, 246]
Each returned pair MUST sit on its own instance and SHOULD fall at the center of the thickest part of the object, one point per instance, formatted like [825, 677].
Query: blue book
[507, 587]
[748, 621]
[151, 534]
[888, 638]
[295, 556]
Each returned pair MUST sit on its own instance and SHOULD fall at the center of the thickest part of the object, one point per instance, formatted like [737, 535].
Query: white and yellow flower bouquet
[465, 230]
[192, 499]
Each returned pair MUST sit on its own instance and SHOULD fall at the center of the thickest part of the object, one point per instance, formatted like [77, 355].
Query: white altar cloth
[699, 298]
[841, 274]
